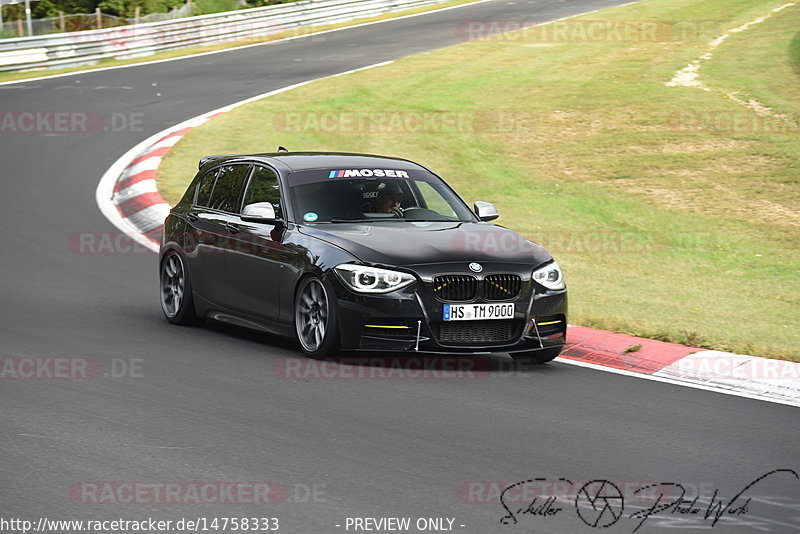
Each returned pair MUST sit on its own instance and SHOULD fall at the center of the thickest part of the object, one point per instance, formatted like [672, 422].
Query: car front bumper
[411, 319]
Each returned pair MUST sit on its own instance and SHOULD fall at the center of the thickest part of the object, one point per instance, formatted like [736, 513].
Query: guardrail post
[62, 23]
[19, 28]
[28, 16]
[137, 14]
[99, 17]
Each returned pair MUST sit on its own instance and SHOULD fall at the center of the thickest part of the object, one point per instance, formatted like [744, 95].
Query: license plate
[477, 312]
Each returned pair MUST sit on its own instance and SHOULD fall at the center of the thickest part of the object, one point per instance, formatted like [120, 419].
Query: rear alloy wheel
[536, 356]
[315, 319]
[176, 291]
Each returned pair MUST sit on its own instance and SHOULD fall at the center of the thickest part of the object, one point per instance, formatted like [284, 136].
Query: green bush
[127, 8]
[51, 8]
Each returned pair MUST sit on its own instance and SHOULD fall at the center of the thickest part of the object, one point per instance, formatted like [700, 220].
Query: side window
[264, 187]
[228, 188]
[205, 187]
[434, 200]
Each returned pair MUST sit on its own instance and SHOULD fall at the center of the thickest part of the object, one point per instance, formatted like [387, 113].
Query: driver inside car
[390, 195]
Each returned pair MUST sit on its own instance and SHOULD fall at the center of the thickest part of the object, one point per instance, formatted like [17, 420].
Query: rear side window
[205, 188]
[228, 188]
[264, 187]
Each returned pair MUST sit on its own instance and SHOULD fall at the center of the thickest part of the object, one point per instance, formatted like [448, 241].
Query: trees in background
[51, 8]
[125, 8]
[119, 8]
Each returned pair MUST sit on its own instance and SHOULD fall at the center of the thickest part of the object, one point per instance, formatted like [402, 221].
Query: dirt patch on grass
[713, 200]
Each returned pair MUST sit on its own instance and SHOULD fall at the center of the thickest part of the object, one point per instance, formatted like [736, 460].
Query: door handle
[192, 216]
[232, 227]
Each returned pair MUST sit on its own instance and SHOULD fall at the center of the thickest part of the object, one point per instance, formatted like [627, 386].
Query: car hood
[413, 243]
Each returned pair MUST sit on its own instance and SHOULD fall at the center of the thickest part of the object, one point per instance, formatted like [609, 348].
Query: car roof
[304, 161]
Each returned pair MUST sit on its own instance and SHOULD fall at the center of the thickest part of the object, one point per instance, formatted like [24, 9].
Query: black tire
[536, 356]
[175, 287]
[315, 307]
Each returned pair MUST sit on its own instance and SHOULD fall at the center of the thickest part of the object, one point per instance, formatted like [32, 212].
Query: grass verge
[21, 76]
[673, 210]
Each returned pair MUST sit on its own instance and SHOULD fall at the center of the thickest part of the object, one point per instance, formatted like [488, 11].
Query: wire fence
[85, 21]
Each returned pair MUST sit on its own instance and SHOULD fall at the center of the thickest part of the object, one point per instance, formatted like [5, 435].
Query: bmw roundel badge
[475, 267]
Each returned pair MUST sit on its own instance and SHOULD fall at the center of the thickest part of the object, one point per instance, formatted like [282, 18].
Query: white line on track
[676, 382]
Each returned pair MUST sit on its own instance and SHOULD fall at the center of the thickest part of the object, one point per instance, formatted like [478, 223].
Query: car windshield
[374, 195]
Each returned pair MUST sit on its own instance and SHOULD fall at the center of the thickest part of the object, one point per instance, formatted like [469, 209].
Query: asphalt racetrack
[210, 405]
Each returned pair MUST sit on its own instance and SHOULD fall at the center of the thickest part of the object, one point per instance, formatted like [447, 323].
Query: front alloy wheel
[315, 318]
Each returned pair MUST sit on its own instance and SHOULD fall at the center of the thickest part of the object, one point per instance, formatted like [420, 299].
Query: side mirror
[260, 212]
[486, 211]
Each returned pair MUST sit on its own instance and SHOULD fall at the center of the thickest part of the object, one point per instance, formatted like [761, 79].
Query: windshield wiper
[393, 219]
[364, 220]
[435, 220]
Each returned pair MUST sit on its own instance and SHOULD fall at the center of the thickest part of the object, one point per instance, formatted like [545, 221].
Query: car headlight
[550, 276]
[366, 279]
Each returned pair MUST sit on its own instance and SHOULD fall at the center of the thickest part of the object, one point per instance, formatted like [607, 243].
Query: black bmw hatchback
[350, 252]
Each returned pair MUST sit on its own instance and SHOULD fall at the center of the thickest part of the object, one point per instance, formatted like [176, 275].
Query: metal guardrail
[123, 42]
